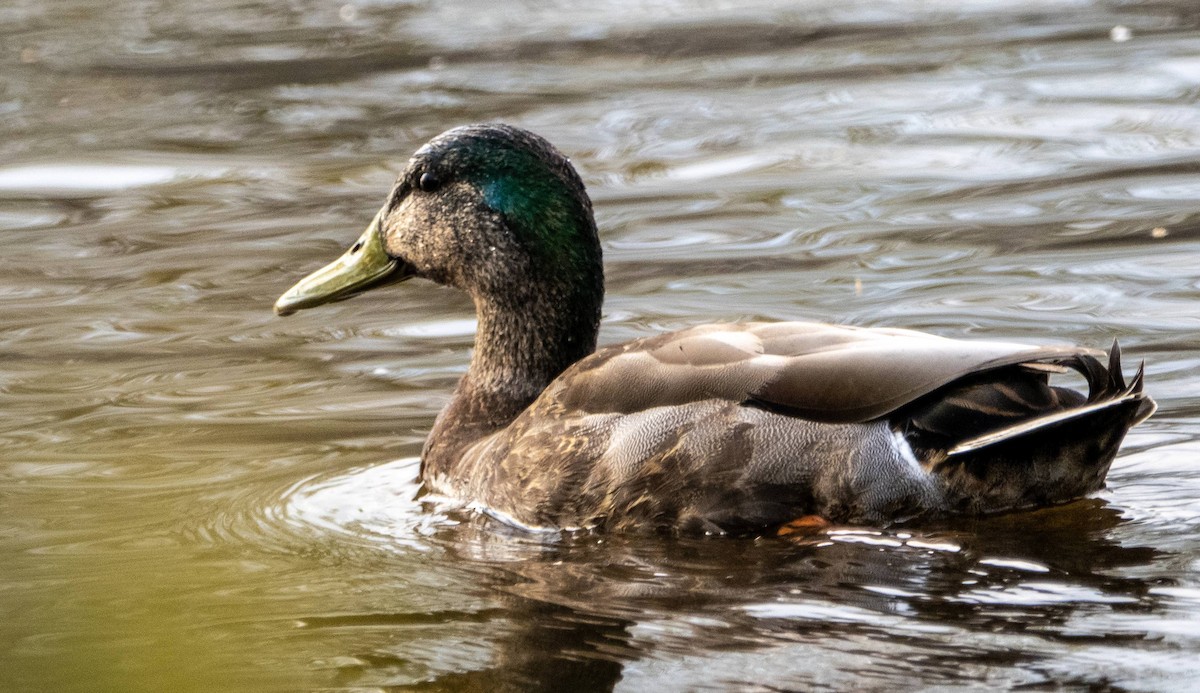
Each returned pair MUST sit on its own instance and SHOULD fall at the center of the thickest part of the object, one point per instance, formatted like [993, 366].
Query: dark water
[196, 495]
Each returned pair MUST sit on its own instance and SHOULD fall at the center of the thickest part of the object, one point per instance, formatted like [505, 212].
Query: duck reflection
[597, 613]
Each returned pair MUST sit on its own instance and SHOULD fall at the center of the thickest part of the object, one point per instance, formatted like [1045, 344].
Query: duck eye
[428, 182]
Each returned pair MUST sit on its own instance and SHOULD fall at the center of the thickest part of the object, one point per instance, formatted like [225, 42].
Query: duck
[716, 429]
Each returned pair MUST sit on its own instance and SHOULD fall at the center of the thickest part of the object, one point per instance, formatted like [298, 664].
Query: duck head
[490, 209]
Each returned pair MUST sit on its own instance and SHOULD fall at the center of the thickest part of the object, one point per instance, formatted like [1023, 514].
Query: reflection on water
[568, 610]
[199, 496]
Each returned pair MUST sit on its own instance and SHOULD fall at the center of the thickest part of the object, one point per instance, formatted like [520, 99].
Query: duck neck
[523, 341]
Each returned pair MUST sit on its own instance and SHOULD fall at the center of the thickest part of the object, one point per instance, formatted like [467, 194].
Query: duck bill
[364, 266]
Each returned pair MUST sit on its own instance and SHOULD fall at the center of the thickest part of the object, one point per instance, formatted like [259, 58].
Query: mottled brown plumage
[718, 428]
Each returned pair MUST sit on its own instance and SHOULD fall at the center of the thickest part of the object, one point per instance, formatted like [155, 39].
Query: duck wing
[825, 373]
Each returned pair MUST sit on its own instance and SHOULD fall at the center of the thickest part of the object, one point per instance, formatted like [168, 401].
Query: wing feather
[827, 373]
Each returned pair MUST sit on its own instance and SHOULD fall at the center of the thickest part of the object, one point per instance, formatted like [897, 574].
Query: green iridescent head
[491, 209]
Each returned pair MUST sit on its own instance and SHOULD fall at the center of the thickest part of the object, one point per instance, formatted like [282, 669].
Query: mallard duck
[718, 429]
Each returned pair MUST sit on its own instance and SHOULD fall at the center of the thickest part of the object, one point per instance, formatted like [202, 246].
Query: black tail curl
[1010, 402]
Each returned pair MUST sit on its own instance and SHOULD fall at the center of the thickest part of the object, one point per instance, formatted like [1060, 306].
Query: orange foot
[809, 524]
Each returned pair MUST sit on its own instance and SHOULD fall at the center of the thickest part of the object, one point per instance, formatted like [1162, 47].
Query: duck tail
[1059, 453]
[1107, 389]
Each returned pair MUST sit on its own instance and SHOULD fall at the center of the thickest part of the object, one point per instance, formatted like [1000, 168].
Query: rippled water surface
[196, 495]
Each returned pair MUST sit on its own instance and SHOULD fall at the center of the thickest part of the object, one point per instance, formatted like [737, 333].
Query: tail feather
[1043, 455]
[1106, 389]
[1116, 378]
[1041, 422]
[1149, 406]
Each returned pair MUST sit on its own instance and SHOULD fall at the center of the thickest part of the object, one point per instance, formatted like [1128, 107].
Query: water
[197, 495]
